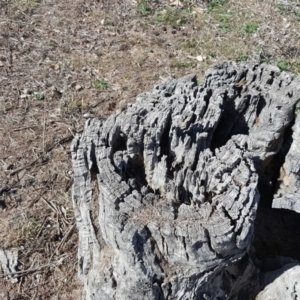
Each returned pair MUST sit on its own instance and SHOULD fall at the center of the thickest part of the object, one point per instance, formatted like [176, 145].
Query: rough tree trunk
[166, 193]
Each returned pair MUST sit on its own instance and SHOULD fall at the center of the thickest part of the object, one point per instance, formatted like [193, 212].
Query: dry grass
[60, 60]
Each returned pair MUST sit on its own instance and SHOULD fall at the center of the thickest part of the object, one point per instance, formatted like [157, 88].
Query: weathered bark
[8, 263]
[288, 196]
[165, 194]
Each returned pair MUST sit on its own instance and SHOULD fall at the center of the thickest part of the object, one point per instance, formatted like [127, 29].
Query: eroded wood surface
[166, 192]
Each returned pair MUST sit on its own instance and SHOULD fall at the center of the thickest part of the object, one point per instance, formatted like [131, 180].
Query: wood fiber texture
[166, 193]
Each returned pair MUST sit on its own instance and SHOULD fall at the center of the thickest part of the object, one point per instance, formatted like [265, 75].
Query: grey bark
[165, 194]
[8, 263]
[288, 195]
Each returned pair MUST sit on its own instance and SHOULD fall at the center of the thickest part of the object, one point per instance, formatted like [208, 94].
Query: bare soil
[62, 61]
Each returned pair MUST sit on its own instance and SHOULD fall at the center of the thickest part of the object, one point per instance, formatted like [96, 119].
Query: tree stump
[166, 193]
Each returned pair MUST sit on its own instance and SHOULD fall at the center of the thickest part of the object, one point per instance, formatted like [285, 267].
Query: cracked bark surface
[166, 193]
[288, 195]
[8, 263]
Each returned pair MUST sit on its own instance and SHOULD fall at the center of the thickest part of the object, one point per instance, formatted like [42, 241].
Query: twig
[66, 237]
[44, 124]
[50, 204]
[39, 195]
[66, 279]
[25, 167]
[21, 128]
[42, 227]
[63, 216]
[25, 272]
[60, 142]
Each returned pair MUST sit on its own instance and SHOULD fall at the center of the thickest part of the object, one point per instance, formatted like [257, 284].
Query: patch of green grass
[143, 8]
[30, 229]
[284, 8]
[264, 59]
[100, 84]
[225, 27]
[243, 57]
[39, 96]
[224, 17]
[249, 28]
[23, 231]
[289, 9]
[212, 54]
[171, 17]
[181, 65]
[289, 65]
[248, 15]
[216, 3]
[284, 65]
[281, 7]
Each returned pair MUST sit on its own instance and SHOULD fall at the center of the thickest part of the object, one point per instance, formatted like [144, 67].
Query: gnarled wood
[165, 193]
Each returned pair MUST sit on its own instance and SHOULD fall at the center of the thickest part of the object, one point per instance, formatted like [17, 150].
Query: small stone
[78, 87]
[56, 67]
[1, 64]
[201, 57]
[88, 115]
[26, 92]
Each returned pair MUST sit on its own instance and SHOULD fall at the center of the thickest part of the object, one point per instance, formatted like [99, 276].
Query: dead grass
[60, 60]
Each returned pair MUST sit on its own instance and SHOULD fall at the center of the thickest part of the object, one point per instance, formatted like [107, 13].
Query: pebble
[78, 87]
[88, 115]
[26, 92]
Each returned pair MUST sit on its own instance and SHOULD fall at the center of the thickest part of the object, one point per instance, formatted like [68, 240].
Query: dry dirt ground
[61, 61]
